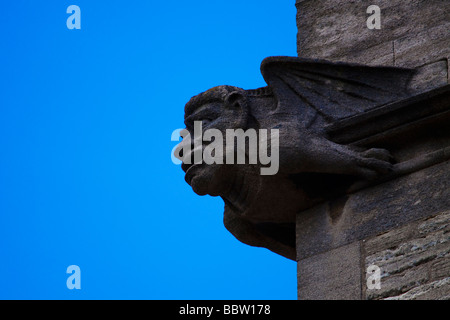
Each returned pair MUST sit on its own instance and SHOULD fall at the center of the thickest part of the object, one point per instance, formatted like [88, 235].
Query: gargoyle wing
[322, 92]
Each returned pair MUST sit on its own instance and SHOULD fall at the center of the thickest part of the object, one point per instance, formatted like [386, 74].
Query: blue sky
[86, 176]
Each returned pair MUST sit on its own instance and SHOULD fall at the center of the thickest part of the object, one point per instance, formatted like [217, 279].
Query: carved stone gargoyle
[303, 98]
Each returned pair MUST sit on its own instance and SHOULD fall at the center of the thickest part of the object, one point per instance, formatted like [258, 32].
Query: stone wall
[413, 33]
[399, 226]
[402, 224]
[414, 260]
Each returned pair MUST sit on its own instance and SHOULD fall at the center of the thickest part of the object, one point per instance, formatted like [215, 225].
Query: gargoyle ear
[235, 100]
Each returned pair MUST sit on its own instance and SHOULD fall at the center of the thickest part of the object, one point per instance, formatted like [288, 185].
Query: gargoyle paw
[374, 162]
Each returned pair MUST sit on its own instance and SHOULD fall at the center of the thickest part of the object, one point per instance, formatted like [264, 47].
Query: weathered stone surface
[392, 285]
[373, 210]
[412, 265]
[430, 49]
[413, 33]
[334, 275]
[402, 224]
[423, 47]
[436, 290]
[414, 260]
[335, 29]
[430, 76]
[302, 98]
[440, 222]
[363, 158]
[419, 230]
[378, 55]
[389, 239]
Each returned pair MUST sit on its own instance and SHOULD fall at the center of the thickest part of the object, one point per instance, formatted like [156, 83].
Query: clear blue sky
[86, 176]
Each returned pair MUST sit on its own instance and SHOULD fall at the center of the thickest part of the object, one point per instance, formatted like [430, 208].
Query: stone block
[373, 211]
[333, 275]
[423, 47]
[330, 29]
[440, 222]
[440, 267]
[378, 55]
[389, 239]
[437, 290]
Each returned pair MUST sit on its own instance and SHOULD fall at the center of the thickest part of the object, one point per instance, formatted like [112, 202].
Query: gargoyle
[302, 97]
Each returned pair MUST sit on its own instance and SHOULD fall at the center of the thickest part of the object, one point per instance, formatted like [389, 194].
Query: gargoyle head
[225, 131]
